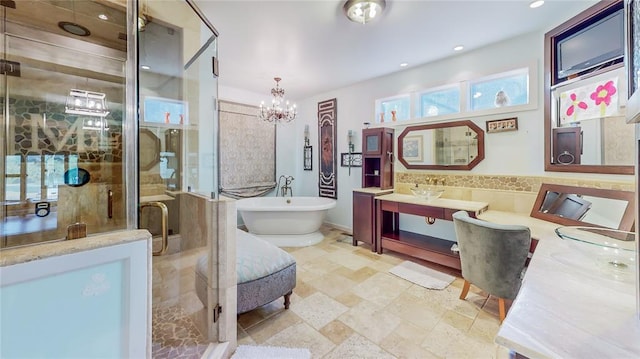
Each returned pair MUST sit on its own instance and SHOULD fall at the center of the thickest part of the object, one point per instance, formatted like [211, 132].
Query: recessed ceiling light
[145, 67]
[458, 48]
[73, 28]
[404, 64]
[536, 3]
[477, 94]
[103, 17]
[363, 11]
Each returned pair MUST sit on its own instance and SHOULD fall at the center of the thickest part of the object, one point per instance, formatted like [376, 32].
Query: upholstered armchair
[492, 256]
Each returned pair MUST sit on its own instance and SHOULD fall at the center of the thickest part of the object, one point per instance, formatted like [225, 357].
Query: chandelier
[279, 111]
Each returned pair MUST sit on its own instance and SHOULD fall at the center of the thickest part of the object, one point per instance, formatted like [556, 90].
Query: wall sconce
[308, 151]
[306, 135]
[351, 146]
[351, 159]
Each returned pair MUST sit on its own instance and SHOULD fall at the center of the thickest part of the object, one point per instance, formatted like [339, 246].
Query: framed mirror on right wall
[585, 97]
[582, 206]
[632, 54]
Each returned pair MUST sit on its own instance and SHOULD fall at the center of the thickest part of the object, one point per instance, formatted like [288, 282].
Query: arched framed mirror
[457, 145]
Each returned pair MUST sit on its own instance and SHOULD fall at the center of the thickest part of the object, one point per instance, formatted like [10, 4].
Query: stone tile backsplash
[505, 183]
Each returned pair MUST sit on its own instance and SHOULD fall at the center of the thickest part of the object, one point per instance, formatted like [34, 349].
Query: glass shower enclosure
[108, 120]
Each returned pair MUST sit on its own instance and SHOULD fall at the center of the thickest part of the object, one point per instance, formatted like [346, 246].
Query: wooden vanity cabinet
[389, 236]
[377, 157]
[377, 179]
[364, 217]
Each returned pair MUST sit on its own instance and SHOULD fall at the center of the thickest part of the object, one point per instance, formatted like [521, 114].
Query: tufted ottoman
[265, 272]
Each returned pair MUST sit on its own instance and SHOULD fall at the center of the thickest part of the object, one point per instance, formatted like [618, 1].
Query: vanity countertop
[23, 254]
[567, 306]
[469, 206]
[539, 228]
[373, 190]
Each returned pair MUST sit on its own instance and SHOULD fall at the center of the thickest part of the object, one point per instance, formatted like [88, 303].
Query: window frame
[379, 110]
[531, 92]
[419, 94]
[464, 86]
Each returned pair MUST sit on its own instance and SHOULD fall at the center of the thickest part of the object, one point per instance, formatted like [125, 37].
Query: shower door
[61, 164]
[177, 156]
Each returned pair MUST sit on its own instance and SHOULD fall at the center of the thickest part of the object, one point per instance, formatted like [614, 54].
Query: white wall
[510, 153]
[517, 152]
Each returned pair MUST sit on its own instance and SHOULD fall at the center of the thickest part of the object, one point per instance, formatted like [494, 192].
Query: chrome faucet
[286, 187]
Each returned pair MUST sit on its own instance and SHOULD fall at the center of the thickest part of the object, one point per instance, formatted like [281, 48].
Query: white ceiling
[315, 48]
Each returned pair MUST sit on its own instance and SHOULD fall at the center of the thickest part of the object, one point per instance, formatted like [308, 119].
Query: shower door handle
[110, 204]
[165, 224]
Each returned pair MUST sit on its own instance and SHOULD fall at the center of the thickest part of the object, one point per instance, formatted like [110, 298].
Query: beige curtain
[247, 151]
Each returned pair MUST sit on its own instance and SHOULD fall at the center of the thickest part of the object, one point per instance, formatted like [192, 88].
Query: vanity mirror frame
[628, 217]
[550, 82]
[469, 166]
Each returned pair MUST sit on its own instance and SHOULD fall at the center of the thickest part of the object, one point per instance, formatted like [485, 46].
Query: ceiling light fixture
[145, 67]
[458, 48]
[103, 17]
[363, 11]
[277, 112]
[88, 103]
[71, 26]
[404, 64]
[74, 28]
[536, 3]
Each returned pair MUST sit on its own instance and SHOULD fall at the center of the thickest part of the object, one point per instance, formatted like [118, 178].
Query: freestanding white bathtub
[285, 221]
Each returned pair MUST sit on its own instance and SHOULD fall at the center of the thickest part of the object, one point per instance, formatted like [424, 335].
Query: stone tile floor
[176, 309]
[347, 305]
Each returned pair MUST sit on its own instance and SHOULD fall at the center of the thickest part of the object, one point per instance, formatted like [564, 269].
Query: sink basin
[427, 193]
[612, 251]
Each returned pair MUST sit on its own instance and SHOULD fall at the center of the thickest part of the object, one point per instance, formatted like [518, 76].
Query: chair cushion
[255, 258]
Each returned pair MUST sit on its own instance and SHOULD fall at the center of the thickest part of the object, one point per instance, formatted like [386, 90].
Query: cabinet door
[386, 181]
[372, 141]
[363, 219]
[567, 145]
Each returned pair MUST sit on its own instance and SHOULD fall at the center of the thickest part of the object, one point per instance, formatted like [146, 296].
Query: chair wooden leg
[501, 308]
[465, 289]
[287, 300]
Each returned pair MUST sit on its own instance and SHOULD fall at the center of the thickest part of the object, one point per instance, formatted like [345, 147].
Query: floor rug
[422, 276]
[262, 352]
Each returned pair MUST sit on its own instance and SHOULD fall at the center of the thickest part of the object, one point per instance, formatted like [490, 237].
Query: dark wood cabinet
[364, 216]
[389, 236]
[567, 145]
[378, 156]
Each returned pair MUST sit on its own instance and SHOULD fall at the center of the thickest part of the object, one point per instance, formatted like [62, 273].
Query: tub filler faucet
[286, 187]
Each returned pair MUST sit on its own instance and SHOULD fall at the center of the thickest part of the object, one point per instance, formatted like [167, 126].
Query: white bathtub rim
[249, 204]
[292, 240]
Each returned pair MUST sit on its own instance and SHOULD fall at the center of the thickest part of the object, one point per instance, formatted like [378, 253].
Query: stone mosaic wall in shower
[41, 127]
[508, 183]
